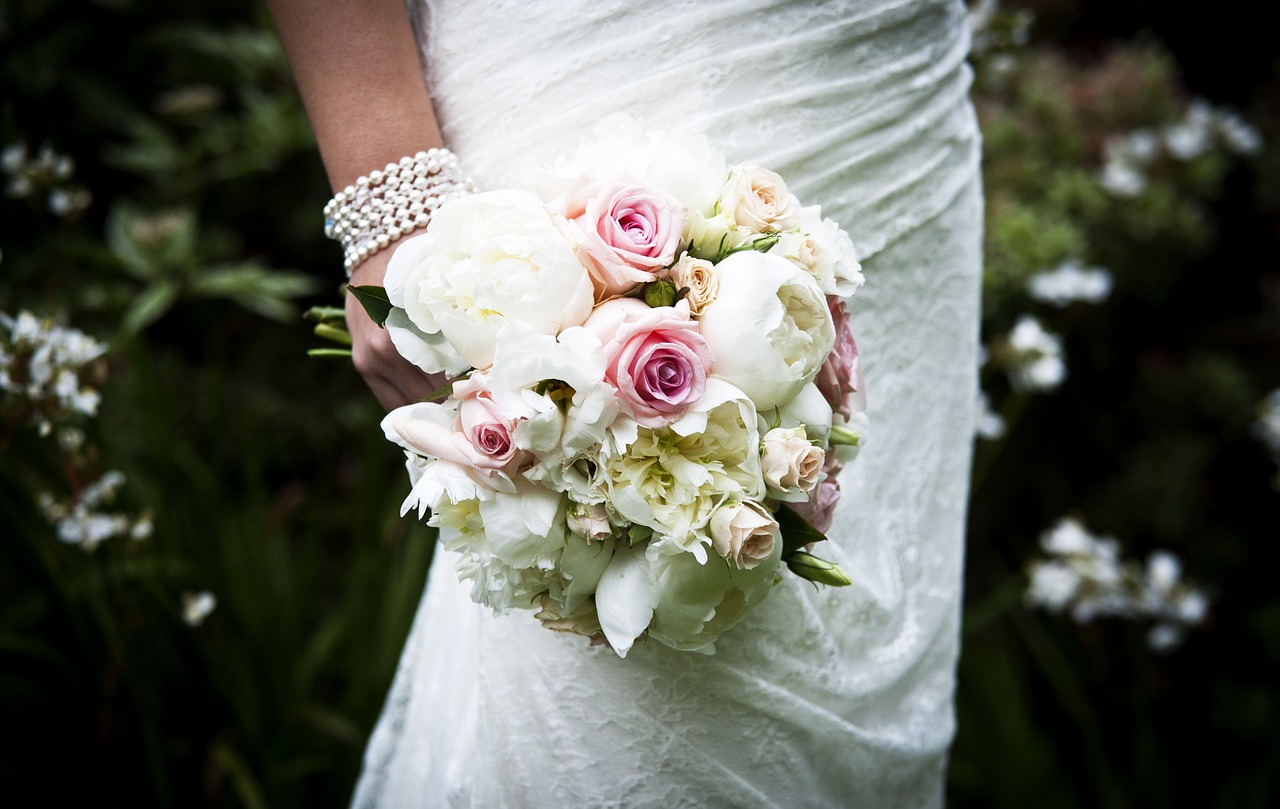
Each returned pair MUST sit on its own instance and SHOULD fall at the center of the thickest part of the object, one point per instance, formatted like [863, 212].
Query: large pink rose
[839, 379]
[657, 360]
[628, 233]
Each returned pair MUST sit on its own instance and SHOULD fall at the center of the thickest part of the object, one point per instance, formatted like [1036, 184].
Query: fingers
[394, 380]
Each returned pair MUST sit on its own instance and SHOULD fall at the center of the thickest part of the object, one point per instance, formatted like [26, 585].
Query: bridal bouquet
[652, 371]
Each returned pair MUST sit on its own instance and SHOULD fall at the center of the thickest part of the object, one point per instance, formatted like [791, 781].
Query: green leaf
[796, 530]
[374, 300]
[148, 306]
[808, 566]
[660, 293]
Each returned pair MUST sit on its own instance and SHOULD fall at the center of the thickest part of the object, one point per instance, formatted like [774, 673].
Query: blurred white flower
[988, 424]
[1238, 135]
[197, 606]
[41, 362]
[1034, 359]
[1070, 281]
[1084, 575]
[1193, 135]
[1122, 178]
[85, 522]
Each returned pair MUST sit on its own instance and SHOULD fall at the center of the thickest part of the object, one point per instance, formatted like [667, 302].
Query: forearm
[357, 69]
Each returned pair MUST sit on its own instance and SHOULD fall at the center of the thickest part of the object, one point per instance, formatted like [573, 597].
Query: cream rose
[758, 200]
[744, 533]
[698, 276]
[769, 328]
[790, 463]
[489, 259]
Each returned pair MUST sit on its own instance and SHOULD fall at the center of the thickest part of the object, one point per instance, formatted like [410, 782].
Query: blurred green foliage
[200, 246]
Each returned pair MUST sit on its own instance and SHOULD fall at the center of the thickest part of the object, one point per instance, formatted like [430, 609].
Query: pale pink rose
[790, 463]
[744, 533]
[821, 506]
[656, 359]
[628, 233]
[840, 379]
[481, 435]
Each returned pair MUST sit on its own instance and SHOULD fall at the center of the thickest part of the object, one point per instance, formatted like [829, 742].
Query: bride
[821, 697]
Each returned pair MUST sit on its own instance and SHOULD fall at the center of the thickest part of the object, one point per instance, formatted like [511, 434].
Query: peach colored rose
[744, 533]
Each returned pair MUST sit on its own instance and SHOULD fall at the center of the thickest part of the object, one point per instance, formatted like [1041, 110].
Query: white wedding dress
[821, 697]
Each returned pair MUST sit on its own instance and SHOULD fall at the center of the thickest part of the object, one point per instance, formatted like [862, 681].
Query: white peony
[672, 478]
[769, 329]
[488, 259]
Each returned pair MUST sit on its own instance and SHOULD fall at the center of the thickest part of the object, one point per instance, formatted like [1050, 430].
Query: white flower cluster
[44, 173]
[84, 522]
[1033, 357]
[1129, 156]
[41, 362]
[1085, 576]
[1069, 282]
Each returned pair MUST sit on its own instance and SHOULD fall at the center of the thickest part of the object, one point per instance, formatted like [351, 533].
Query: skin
[357, 69]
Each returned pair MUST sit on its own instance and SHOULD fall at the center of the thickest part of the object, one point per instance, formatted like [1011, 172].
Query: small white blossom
[84, 522]
[1034, 361]
[1238, 135]
[1085, 576]
[197, 606]
[1070, 281]
[988, 424]
[1193, 135]
[41, 362]
[1122, 178]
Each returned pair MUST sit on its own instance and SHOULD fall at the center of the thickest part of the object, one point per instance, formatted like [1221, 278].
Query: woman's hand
[392, 378]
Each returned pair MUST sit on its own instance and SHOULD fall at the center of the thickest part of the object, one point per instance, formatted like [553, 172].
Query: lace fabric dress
[820, 697]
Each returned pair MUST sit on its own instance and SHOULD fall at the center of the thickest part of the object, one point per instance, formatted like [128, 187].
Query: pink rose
[467, 430]
[482, 424]
[628, 233]
[821, 506]
[840, 379]
[656, 359]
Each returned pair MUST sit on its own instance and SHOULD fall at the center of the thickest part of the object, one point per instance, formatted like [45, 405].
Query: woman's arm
[357, 69]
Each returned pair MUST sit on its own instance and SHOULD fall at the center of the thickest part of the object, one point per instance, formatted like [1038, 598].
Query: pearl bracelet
[385, 205]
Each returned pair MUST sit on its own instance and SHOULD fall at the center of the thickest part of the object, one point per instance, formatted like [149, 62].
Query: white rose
[769, 328]
[744, 533]
[832, 258]
[699, 277]
[489, 259]
[758, 200]
[791, 465]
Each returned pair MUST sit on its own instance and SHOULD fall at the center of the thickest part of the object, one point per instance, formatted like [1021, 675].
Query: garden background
[203, 582]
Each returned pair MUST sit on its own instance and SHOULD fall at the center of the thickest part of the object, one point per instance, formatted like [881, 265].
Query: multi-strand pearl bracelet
[385, 205]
